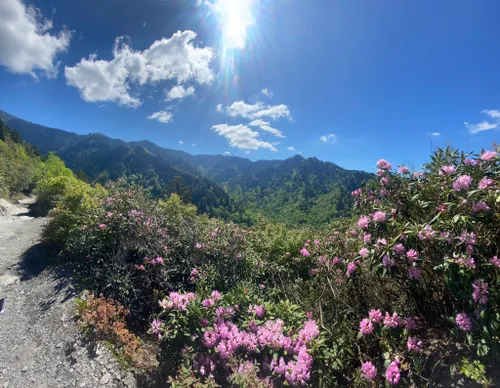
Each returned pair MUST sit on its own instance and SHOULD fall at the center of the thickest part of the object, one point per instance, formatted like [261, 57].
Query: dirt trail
[39, 343]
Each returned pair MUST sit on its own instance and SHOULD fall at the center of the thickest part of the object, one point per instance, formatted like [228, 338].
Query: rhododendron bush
[395, 295]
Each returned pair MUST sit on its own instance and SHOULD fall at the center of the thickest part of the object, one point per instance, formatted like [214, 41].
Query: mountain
[295, 190]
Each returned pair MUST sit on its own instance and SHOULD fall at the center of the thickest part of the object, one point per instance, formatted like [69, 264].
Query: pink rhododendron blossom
[304, 252]
[495, 261]
[412, 255]
[194, 272]
[365, 326]
[375, 316]
[414, 344]
[379, 216]
[398, 248]
[403, 170]
[469, 162]
[463, 182]
[485, 183]
[207, 303]
[441, 208]
[393, 374]
[388, 262]
[447, 170]
[392, 320]
[258, 310]
[364, 222]
[384, 192]
[411, 324]
[488, 156]
[351, 267]
[380, 172]
[427, 233]
[463, 322]
[414, 273]
[198, 246]
[102, 226]
[156, 326]
[385, 181]
[367, 238]
[481, 206]
[215, 295]
[363, 252]
[309, 314]
[368, 371]
[356, 193]
[384, 164]
[178, 301]
[480, 293]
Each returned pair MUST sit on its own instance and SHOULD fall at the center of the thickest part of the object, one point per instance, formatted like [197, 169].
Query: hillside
[295, 190]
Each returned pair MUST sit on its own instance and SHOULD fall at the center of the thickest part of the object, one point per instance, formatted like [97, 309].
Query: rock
[105, 378]
[59, 345]
[25, 368]
[5, 384]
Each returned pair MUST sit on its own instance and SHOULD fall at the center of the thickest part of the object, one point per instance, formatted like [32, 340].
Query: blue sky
[348, 82]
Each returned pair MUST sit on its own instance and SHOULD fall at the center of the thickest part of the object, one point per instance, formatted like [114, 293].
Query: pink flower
[216, 295]
[304, 252]
[385, 181]
[447, 170]
[365, 326]
[356, 193]
[309, 314]
[463, 182]
[398, 249]
[387, 262]
[392, 374]
[485, 183]
[375, 315]
[207, 303]
[363, 252]
[194, 272]
[392, 320]
[258, 310]
[109, 214]
[463, 321]
[414, 344]
[351, 267]
[384, 164]
[411, 324]
[441, 208]
[488, 156]
[210, 338]
[262, 286]
[102, 226]
[159, 260]
[403, 170]
[427, 233]
[412, 255]
[481, 206]
[414, 273]
[156, 326]
[367, 238]
[480, 293]
[364, 222]
[198, 246]
[495, 261]
[379, 216]
[368, 371]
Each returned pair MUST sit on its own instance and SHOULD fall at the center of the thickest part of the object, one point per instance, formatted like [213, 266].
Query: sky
[344, 81]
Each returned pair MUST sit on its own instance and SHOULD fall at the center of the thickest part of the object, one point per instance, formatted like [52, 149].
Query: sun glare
[235, 18]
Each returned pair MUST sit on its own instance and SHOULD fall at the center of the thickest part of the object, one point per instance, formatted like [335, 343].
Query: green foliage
[475, 371]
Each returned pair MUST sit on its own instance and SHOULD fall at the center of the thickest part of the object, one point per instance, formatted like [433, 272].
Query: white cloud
[25, 42]
[291, 148]
[242, 137]
[179, 92]
[266, 92]
[434, 134]
[174, 58]
[264, 125]
[493, 113]
[258, 110]
[162, 116]
[328, 139]
[227, 153]
[144, 24]
[219, 108]
[193, 145]
[480, 127]
[181, 142]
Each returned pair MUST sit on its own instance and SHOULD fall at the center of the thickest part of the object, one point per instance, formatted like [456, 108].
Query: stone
[105, 378]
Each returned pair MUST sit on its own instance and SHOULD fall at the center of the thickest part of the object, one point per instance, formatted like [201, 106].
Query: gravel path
[39, 343]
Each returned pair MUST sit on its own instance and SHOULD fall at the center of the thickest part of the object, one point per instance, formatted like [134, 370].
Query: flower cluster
[177, 301]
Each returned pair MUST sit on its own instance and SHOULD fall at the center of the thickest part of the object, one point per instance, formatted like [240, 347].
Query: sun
[235, 17]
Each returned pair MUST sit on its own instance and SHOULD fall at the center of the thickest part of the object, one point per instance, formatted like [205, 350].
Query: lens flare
[235, 16]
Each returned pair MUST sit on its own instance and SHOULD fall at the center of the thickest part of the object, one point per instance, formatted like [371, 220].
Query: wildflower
[364, 222]
[469, 162]
[414, 344]
[411, 324]
[258, 310]
[102, 226]
[384, 164]
[379, 216]
[441, 208]
[485, 183]
[388, 262]
[158, 260]
[351, 267]
[392, 320]
[304, 252]
[481, 206]
[380, 172]
[198, 246]
[210, 338]
[375, 315]
[309, 314]
[262, 286]
[426, 233]
[140, 267]
[363, 252]
[385, 181]
[463, 321]
[368, 371]
[412, 255]
[109, 214]
[156, 326]
[367, 238]
[480, 291]
[403, 170]
[463, 182]
[365, 326]
[488, 156]
[316, 242]
[447, 170]
[414, 273]
[398, 248]
[194, 272]
[392, 374]
[384, 192]
[495, 261]
[216, 295]
[356, 193]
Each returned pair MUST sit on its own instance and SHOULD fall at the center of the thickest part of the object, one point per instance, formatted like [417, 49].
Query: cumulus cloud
[242, 137]
[26, 44]
[227, 153]
[181, 142]
[258, 111]
[179, 92]
[265, 126]
[328, 139]
[162, 116]
[219, 108]
[434, 134]
[266, 92]
[291, 148]
[175, 58]
[485, 125]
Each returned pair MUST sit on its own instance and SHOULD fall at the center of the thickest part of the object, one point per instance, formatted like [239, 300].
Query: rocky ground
[39, 343]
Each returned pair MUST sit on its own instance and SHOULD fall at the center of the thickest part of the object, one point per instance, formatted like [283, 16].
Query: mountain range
[296, 190]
